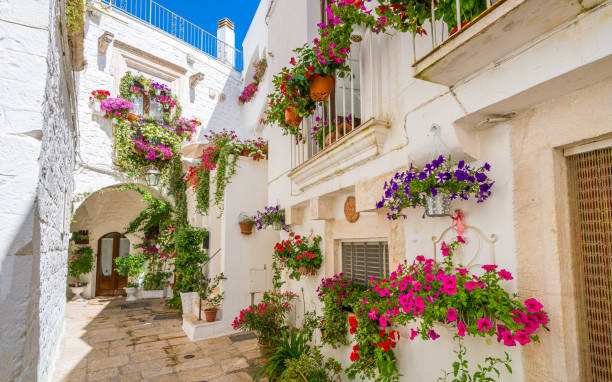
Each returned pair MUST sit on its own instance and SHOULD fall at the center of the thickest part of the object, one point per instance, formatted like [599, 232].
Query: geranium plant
[301, 255]
[441, 176]
[267, 318]
[99, 95]
[81, 262]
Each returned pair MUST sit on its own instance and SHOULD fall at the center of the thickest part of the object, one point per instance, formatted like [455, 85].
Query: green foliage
[290, 346]
[226, 169]
[75, 16]
[447, 11]
[177, 188]
[130, 265]
[189, 258]
[81, 262]
[157, 214]
[209, 291]
[202, 192]
[155, 280]
[461, 373]
[310, 367]
[334, 326]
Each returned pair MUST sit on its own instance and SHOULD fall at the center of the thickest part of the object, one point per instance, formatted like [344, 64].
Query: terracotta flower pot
[307, 272]
[136, 150]
[245, 153]
[291, 117]
[345, 128]
[321, 87]
[211, 314]
[332, 137]
[246, 228]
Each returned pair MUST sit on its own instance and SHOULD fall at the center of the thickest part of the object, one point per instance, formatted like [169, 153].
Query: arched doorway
[108, 281]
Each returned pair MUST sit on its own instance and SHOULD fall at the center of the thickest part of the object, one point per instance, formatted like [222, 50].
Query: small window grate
[362, 260]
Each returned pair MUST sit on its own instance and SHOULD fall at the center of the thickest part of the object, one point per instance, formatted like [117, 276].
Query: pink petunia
[508, 338]
[489, 267]
[413, 334]
[461, 329]
[522, 337]
[484, 325]
[451, 314]
[433, 335]
[504, 274]
[533, 305]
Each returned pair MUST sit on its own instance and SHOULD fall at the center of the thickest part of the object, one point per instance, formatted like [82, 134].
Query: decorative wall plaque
[350, 211]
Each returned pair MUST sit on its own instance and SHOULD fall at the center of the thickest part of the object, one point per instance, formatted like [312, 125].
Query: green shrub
[81, 262]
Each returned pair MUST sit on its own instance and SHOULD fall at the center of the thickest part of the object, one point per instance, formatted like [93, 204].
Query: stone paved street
[109, 340]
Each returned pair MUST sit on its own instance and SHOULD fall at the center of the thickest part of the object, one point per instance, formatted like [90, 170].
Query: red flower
[354, 356]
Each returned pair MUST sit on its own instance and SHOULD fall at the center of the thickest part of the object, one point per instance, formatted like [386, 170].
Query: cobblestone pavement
[111, 340]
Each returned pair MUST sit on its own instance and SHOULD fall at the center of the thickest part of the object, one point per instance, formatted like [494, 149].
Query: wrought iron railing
[335, 119]
[438, 31]
[167, 21]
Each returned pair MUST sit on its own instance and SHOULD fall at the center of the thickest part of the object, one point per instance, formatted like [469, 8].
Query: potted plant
[302, 256]
[97, 96]
[80, 237]
[434, 186]
[154, 284]
[246, 223]
[271, 216]
[130, 266]
[80, 263]
[212, 296]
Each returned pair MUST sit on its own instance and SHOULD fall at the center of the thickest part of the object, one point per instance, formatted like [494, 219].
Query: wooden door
[108, 281]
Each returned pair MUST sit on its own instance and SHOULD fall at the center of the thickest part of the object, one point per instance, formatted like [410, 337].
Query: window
[362, 260]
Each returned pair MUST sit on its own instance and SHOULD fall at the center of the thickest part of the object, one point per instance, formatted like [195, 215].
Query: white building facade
[520, 89]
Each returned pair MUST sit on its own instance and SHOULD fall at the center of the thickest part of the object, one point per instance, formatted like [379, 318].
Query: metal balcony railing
[335, 119]
[167, 21]
[437, 29]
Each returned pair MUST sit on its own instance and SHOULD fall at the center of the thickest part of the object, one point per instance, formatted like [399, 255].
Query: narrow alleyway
[111, 340]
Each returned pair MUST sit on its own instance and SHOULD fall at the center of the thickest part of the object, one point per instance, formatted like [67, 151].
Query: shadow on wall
[19, 298]
[226, 112]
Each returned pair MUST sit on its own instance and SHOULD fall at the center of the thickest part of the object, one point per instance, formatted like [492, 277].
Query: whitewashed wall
[574, 55]
[36, 185]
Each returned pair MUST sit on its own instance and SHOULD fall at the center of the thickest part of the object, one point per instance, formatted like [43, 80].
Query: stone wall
[36, 184]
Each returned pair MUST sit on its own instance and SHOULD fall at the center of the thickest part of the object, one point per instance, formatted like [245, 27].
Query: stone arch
[109, 209]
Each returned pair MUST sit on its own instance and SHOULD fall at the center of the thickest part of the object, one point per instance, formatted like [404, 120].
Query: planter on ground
[152, 293]
[131, 294]
[77, 293]
[187, 299]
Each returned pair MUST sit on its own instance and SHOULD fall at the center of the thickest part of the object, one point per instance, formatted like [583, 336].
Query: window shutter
[362, 260]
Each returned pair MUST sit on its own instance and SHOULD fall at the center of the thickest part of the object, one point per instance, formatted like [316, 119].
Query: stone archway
[108, 210]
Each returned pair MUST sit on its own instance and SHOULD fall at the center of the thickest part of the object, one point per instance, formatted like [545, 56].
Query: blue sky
[206, 13]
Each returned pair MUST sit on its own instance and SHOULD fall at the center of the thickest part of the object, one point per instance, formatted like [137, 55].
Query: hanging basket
[307, 272]
[358, 33]
[291, 117]
[277, 226]
[438, 206]
[321, 87]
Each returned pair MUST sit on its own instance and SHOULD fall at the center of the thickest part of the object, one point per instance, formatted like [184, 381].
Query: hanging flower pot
[291, 117]
[245, 153]
[306, 271]
[246, 228]
[321, 87]
[358, 33]
[439, 205]
[211, 314]
[277, 226]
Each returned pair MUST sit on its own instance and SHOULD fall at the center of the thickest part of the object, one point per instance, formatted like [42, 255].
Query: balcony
[501, 29]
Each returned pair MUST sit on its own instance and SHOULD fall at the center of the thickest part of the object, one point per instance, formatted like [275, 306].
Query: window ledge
[496, 33]
[355, 148]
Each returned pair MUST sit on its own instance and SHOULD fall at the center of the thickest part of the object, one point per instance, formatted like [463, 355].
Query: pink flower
[451, 314]
[504, 274]
[433, 335]
[508, 338]
[489, 267]
[484, 325]
[462, 271]
[445, 249]
[542, 318]
[413, 334]
[522, 337]
[461, 329]
[429, 278]
[461, 239]
[420, 258]
[382, 321]
[533, 305]
[470, 285]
